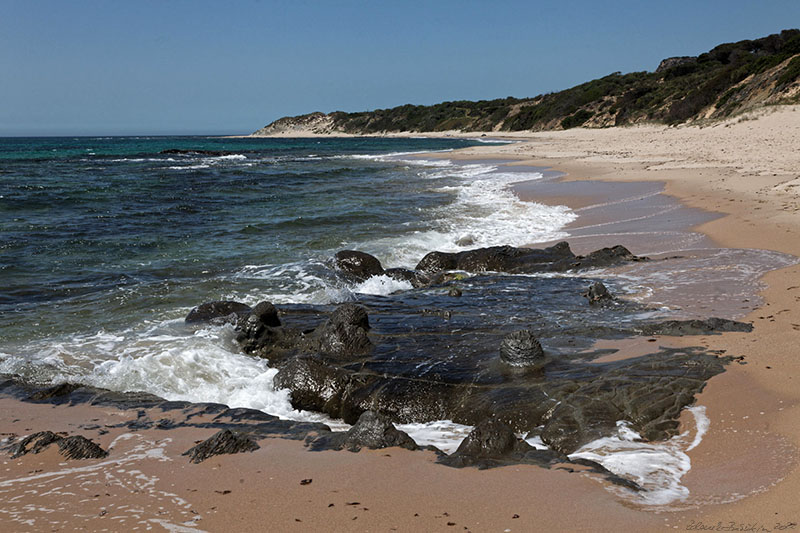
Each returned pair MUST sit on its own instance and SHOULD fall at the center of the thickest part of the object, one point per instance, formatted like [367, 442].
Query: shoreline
[401, 490]
[754, 405]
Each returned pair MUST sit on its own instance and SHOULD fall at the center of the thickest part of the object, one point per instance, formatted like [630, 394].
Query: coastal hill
[729, 79]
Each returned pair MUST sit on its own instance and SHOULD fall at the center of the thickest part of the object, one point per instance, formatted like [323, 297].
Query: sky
[101, 67]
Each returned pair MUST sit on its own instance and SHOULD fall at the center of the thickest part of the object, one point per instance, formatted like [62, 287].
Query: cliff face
[312, 124]
[728, 79]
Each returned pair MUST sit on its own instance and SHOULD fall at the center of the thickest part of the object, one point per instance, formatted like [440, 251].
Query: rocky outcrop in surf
[423, 355]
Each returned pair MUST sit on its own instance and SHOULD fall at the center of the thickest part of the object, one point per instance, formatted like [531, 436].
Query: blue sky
[201, 67]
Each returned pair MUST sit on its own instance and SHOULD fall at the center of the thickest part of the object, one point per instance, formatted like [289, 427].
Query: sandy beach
[740, 178]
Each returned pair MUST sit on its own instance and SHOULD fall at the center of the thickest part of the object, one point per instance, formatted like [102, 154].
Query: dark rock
[556, 258]
[372, 431]
[315, 385]
[350, 314]
[578, 420]
[223, 442]
[493, 443]
[606, 257]
[222, 312]
[695, 327]
[344, 334]
[522, 348]
[436, 262]
[78, 447]
[54, 394]
[34, 443]
[404, 274]
[358, 265]
[75, 447]
[454, 292]
[267, 314]
[491, 438]
[260, 333]
[597, 293]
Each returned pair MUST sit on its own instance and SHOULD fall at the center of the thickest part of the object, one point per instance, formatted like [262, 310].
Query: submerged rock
[358, 265]
[218, 313]
[522, 348]
[493, 443]
[223, 442]
[695, 327]
[597, 293]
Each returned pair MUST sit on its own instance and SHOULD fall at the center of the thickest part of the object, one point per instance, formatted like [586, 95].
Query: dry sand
[744, 472]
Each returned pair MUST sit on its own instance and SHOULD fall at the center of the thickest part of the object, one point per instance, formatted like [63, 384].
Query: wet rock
[344, 334]
[491, 438]
[522, 348]
[315, 385]
[373, 431]
[223, 442]
[606, 257]
[556, 258]
[260, 333]
[55, 394]
[34, 443]
[579, 420]
[435, 262]
[358, 265]
[266, 314]
[454, 292]
[404, 274]
[695, 327]
[75, 447]
[597, 293]
[218, 313]
[79, 447]
[493, 443]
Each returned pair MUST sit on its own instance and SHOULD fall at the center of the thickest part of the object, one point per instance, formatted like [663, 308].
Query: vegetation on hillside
[729, 78]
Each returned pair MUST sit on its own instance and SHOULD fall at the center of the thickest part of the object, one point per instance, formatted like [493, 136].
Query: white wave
[168, 359]
[494, 141]
[389, 156]
[293, 283]
[658, 467]
[142, 159]
[484, 212]
[189, 167]
[444, 434]
[382, 286]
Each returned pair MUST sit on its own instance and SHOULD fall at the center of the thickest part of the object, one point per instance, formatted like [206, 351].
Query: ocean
[106, 243]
